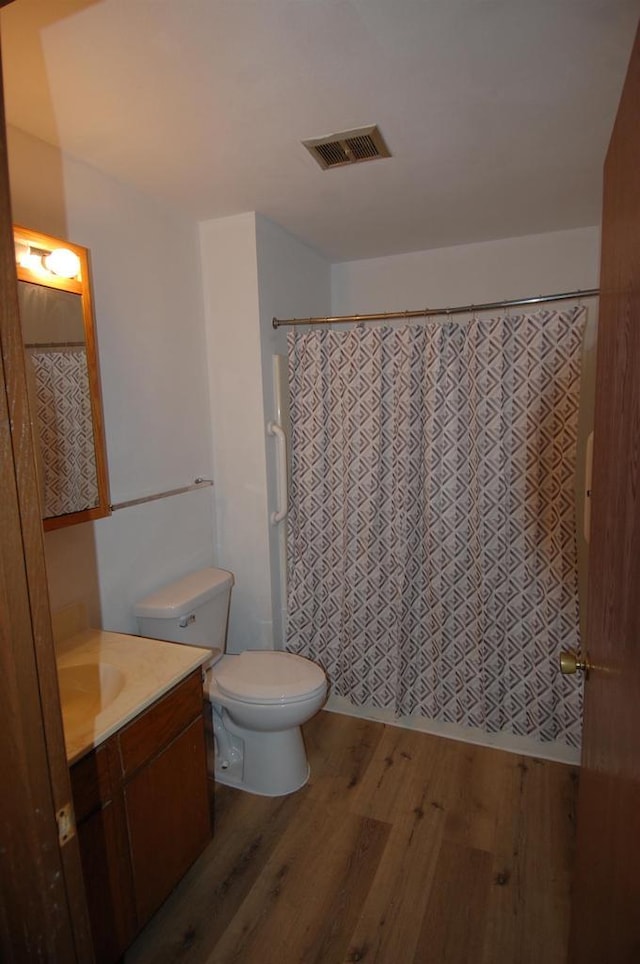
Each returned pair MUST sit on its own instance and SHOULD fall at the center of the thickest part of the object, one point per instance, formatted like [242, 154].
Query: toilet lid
[268, 677]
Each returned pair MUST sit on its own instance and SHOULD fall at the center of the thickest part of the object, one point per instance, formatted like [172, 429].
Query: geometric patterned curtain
[65, 429]
[431, 541]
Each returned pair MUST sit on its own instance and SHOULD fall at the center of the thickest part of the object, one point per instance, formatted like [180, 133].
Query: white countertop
[106, 679]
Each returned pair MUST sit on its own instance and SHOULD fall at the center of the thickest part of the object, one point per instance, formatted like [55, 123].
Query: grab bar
[276, 431]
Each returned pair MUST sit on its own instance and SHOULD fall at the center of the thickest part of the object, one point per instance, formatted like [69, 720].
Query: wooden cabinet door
[143, 808]
[104, 847]
[605, 923]
[168, 817]
[107, 883]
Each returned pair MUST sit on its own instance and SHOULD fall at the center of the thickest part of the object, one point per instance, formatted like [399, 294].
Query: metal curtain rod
[430, 312]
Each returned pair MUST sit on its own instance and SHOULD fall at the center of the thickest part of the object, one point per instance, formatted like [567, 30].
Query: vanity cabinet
[142, 811]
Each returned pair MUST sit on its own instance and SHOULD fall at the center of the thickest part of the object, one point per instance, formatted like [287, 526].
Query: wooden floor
[402, 848]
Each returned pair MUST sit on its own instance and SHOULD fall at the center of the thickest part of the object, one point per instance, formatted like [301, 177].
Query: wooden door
[606, 905]
[43, 913]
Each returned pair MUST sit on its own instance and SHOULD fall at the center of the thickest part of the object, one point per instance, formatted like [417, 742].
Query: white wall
[230, 284]
[293, 281]
[469, 273]
[252, 269]
[149, 318]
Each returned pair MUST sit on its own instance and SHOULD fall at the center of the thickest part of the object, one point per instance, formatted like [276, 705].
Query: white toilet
[259, 699]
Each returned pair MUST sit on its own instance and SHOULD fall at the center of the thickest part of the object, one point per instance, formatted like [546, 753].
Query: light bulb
[63, 263]
[33, 262]
[22, 251]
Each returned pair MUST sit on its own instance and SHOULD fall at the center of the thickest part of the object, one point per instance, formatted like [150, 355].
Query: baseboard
[521, 745]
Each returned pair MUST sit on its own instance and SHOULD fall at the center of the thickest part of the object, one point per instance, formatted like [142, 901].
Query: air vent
[348, 147]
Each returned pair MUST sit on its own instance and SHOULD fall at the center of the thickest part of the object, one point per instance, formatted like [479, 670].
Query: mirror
[63, 378]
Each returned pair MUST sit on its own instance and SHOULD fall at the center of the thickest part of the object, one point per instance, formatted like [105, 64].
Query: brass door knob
[574, 662]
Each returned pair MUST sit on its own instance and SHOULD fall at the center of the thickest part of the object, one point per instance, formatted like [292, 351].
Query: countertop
[107, 679]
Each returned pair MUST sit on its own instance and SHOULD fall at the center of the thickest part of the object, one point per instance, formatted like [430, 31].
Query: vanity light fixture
[60, 262]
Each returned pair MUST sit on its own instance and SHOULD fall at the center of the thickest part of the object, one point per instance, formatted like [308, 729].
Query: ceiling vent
[348, 147]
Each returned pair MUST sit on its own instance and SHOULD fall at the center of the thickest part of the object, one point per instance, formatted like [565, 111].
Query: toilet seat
[258, 676]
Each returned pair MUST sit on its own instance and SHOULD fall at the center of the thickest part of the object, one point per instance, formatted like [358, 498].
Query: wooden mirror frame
[80, 285]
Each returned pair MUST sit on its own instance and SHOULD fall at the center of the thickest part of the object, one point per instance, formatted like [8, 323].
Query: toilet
[259, 698]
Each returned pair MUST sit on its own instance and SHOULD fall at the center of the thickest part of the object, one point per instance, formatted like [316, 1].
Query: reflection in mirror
[63, 380]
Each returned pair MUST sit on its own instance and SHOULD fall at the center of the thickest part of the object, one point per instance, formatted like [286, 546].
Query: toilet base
[232, 777]
[270, 764]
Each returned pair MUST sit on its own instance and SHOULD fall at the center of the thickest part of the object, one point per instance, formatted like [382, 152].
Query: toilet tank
[193, 610]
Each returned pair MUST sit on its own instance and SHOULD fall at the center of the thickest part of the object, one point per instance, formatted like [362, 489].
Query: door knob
[572, 661]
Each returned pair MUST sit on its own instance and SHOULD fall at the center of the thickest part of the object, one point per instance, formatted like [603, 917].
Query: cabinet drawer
[155, 728]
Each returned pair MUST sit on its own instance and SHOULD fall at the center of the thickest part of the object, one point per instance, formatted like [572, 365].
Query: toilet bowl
[259, 702]
[259, 699]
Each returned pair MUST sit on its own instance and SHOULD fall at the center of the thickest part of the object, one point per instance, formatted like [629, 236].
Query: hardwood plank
[401, 757]
[305, 902]
[454, 922]
[528, 908]
[341, 749]
[417, 807]
[481, 780]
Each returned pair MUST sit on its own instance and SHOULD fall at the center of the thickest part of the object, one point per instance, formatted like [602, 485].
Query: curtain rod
[429, 312]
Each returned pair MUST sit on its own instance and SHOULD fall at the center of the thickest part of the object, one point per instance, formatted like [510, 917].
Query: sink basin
[88, 688]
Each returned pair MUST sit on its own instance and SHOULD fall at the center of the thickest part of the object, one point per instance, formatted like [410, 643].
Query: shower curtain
[431, 543]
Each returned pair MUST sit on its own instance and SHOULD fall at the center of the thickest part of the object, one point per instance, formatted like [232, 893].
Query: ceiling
[497, 112]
